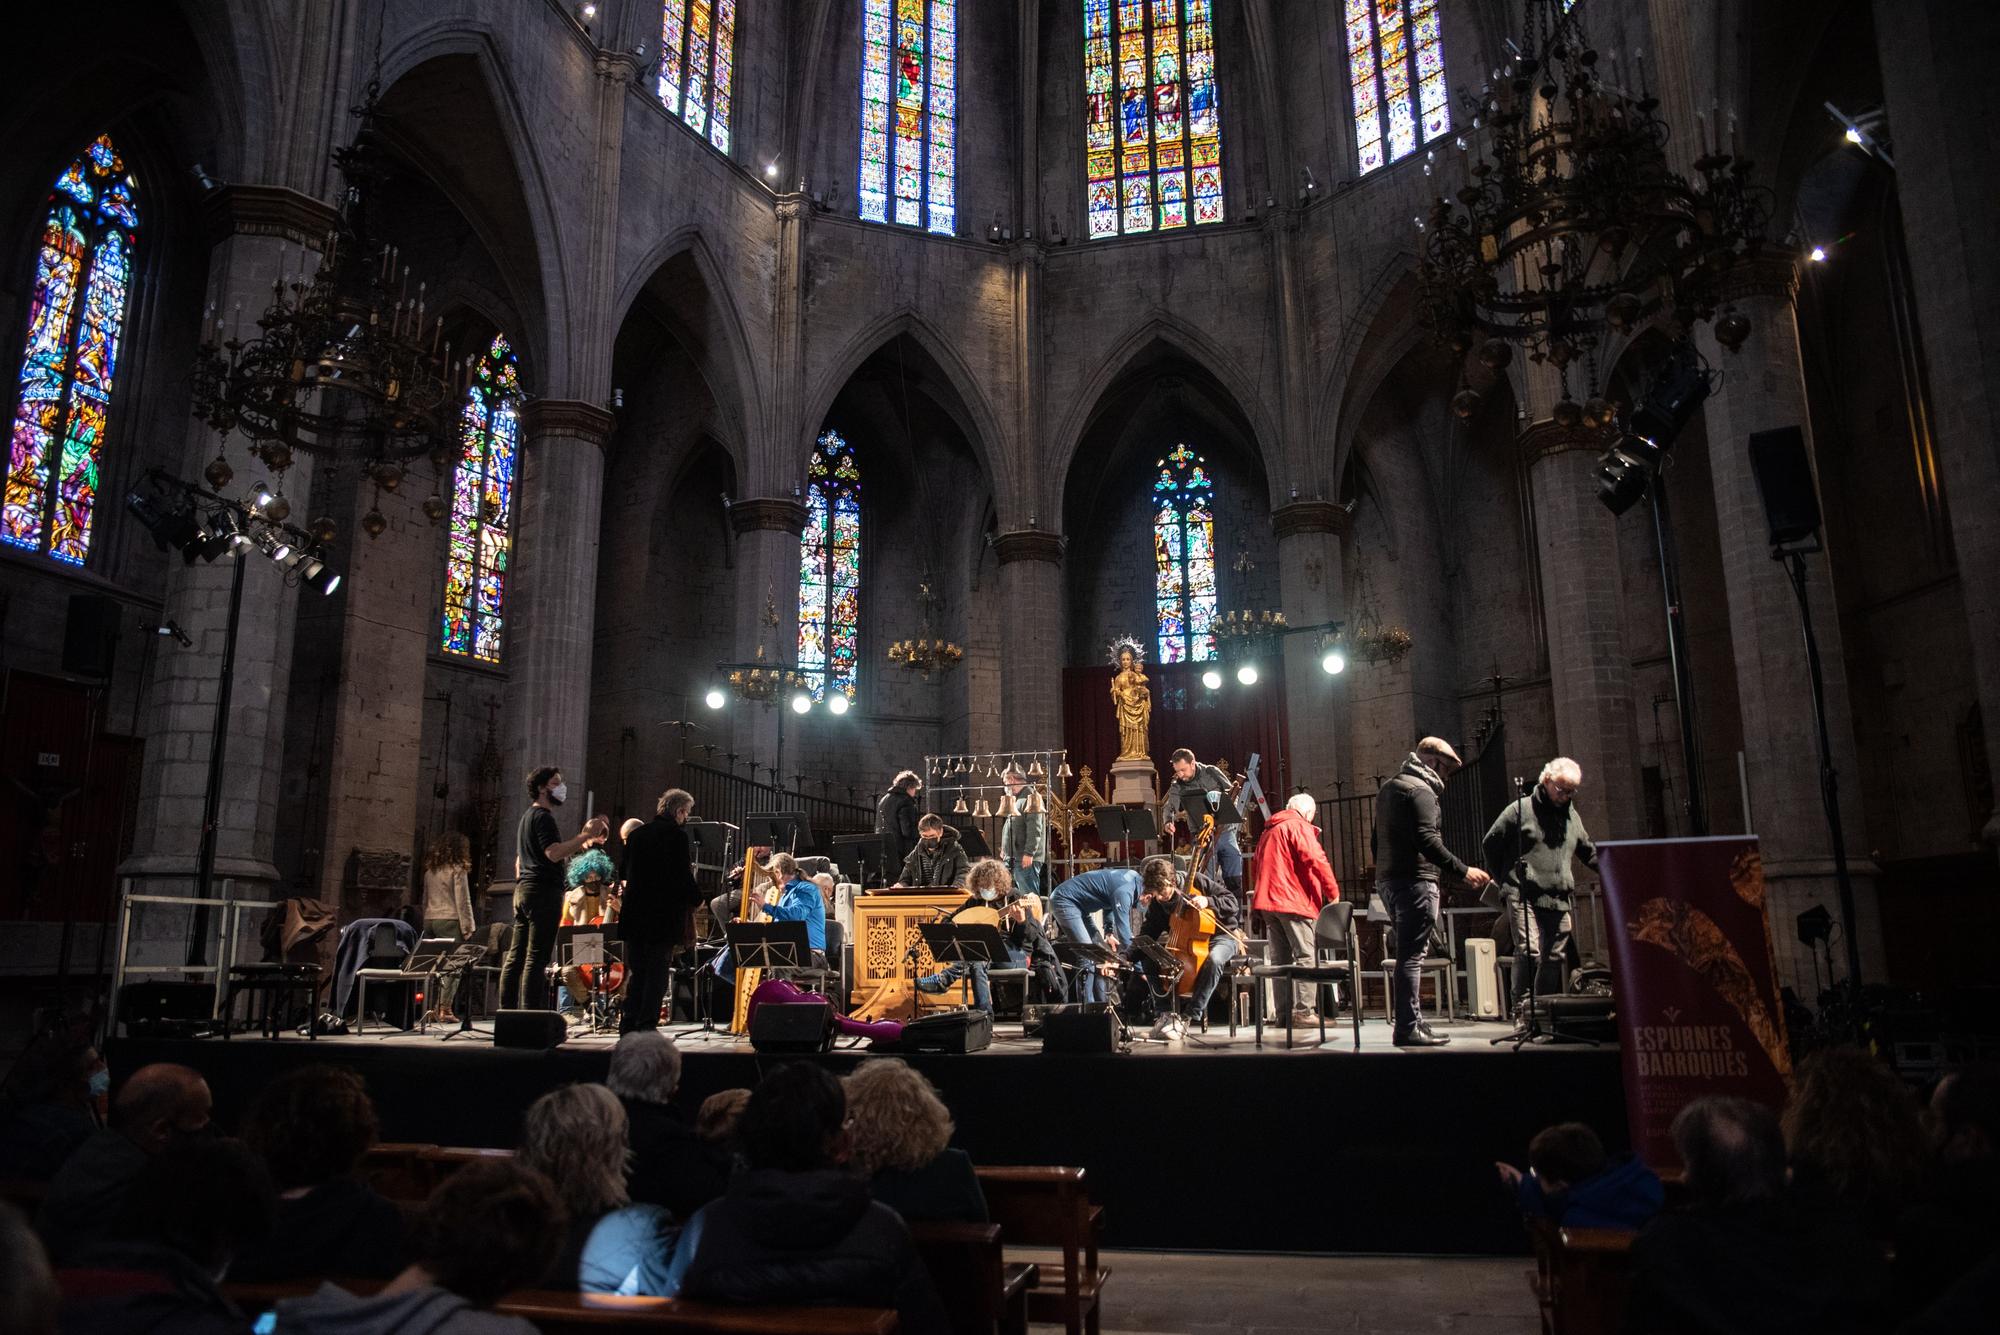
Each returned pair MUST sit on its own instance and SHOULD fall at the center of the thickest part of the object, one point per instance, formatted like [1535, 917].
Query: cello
[1192, 927]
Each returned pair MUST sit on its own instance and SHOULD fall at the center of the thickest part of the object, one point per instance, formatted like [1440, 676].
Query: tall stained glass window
[482, 508]
[1153, 133]
[76, 311]
[909, 112]
[697, 57]
[830, 570]
[1184, 557]
[1393, 48]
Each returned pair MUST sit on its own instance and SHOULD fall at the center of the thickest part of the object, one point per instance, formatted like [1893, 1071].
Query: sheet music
[587, 948]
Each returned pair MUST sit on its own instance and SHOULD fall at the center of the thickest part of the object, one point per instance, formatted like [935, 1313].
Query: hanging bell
[1036, 806]
[982, 810]
[959, 808]
[1038, 771]
[1065, 772]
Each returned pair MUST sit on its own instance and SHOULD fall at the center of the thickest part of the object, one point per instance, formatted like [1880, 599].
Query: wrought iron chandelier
[1572, 222]
[348, 363]
[929, 653]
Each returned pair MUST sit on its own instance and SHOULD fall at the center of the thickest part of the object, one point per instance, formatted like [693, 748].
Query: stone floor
[1208, 1293]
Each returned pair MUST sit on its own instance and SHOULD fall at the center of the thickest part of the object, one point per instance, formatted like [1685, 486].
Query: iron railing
[726, 796]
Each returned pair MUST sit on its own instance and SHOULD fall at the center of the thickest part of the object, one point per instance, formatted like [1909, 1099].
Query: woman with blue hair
[590, 897]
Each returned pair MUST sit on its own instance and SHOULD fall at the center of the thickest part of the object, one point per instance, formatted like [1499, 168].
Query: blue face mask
[100, 1082]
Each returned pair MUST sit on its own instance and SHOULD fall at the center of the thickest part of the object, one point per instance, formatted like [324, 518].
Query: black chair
[496, 937]
[1337, 958]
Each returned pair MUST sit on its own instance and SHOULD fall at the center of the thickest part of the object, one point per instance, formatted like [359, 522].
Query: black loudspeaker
[166, 1009]
[952, 1031]
[1081, 1027]
[90, 635]
[1785, 482]
[1590, 1019]
[792, 1026]
[536, 1029]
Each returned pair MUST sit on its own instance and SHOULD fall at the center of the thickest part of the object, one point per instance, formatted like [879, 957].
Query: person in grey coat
[1024, 834]
[1529, 850]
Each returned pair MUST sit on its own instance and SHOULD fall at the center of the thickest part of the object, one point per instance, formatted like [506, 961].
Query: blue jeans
[1228, 856]
[982, 989]
[1079, 927]
[1413, 910]
[1028, 880]
[1221, 950]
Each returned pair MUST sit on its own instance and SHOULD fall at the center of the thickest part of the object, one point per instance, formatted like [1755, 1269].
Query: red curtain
[1226, 724]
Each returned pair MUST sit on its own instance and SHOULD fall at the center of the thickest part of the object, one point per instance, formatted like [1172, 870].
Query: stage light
[1247, 674]
[317, 574]
[714, 698]
[170, 528]
[1212, 679]
[802, 703]
[836, 703]
[1818, 254]
[1333, 663]
[1625, 471]
[261, 495]
[1853, 135]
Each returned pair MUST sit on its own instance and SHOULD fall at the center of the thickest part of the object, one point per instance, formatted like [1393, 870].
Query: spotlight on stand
[174, 528]
[802, 703]
[1247, 674]
[836, 703]
[1212, 679]
[714, 699]
[1627, 469]
[1815, 926]
[320, 577]
[1332, 657]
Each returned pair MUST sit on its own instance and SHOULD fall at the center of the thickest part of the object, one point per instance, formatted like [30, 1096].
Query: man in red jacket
[1294, 881]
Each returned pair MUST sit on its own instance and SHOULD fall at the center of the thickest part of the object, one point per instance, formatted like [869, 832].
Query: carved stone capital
[1546, 439]
[619, 67]
[1029, 544]
[267, 210]
[1311, 517]
[767, 514]
[794, 207]
[567, 417]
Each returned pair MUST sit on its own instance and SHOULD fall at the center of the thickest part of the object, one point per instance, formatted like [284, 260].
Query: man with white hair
[671, 1165]
[1410, 857]
[1529, 850]
[1294, 882]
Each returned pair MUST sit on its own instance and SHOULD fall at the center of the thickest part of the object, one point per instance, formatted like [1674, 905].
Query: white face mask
[559, 793]
[989, 893]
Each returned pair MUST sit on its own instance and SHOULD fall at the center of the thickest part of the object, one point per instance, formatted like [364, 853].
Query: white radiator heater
[1482, 979]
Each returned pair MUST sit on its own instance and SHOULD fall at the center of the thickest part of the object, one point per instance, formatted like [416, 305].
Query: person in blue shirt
[1075, 905]
[788, 898]
[1573, 1181]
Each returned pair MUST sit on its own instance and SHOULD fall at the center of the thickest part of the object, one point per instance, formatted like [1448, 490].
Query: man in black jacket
[1161, 898]
[796, 1226]
[938, 858]
[656, 915]
[671, 1165]
[896, 822]
[1410, 854]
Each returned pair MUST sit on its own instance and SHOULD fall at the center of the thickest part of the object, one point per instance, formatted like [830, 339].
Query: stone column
[1031, 656]
[1934, 71]
[1590, 667]
[1765, 388]
[1310, 591]
[767, 531]
[551, 609]
[253, 229]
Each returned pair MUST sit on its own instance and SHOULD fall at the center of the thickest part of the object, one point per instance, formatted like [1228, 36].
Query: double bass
[1192, 927]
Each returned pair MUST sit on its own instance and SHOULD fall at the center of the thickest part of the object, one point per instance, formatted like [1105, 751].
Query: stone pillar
[1934, 71]
[1031, 655]
[1590, 667]
[551, 609]
[252, 229]
[767, 531]
[1765, 388]
[1309, 537]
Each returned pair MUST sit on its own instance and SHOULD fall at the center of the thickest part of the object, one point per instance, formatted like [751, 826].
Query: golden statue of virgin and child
[1132, 700]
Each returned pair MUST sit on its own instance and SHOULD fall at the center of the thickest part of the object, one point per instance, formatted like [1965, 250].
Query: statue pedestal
[1132, 783]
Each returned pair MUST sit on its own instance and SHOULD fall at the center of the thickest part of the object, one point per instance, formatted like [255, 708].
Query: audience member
[716, 1121]
[1856, 1138]
[1741, 1258]
[1573, 1182]
[671, 1164]
[28, 1294]
[576, 1137]
[489, 1228]
[795, 1226]
[1952, 1226]
[55, 1097]
[191, 1208]
[311, 1126]
[160, 1106]
[900, 1140]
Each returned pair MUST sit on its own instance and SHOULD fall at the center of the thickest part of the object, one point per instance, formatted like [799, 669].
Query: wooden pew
[399, 1171]
[595, 1313]
[982, 1292]
[1582, 1277]
[1050, 1207]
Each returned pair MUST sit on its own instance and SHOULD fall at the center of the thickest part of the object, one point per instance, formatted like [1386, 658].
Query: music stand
[1200, 802]
[597, 945]
[768, 945]
[974, 843]
[710, 840]
[954, 942]
[1119, 824]
[460, 962]
[785, 830]
[1090, 955]
[854, 854]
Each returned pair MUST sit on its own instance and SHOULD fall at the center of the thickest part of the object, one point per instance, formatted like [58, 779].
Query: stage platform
[1211, 1144]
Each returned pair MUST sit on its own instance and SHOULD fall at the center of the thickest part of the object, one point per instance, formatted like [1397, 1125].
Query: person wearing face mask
[938, 858]
[159, 1107]
[990, 882]
[538, 864]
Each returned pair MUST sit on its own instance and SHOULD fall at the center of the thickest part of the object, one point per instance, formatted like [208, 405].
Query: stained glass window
[76, 312]
[482, 508]
[830, 570]
[1393, 47]
[1152, 133]
[1184, 556]
[697, 57]
[909, 112]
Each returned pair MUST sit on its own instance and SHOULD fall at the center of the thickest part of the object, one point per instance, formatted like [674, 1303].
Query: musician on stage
[938, 858]
[1024, 834]
[1191, 776]
[1028, 946]
[1294, 882]
[1529, 851]
[1162, 894]
[591, 900]
[896, 821]
[657, 915]
[1075, 905]
[786, 896]
[1410, 857]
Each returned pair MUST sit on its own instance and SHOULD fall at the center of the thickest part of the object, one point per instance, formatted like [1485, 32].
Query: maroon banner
[1698, 1005]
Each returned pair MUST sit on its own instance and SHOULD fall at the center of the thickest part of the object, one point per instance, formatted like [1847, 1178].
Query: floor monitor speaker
[1082, 1027]
[537, 1029]
[792, 1026]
